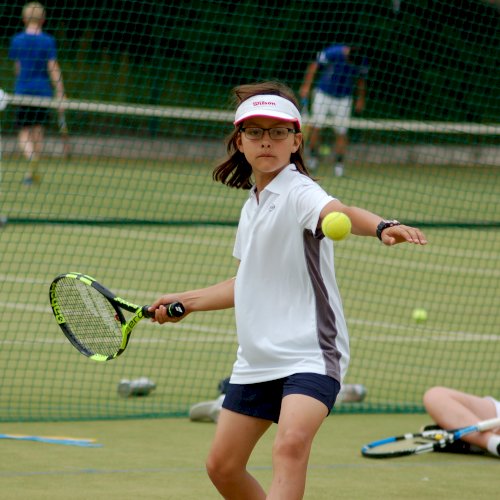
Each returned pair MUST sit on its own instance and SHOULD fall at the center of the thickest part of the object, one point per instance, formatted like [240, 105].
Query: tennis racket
[63, 131]
[91, 316]
[423, 442]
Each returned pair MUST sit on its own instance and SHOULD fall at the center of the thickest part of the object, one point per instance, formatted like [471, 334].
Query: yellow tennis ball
[336, 226]
[419, 315]
[325, 150]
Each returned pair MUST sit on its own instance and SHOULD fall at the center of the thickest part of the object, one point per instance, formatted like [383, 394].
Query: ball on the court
[325, 150]
[336, 226]
[419, 315]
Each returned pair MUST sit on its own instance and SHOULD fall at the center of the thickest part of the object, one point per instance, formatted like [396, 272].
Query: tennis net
[127, 196]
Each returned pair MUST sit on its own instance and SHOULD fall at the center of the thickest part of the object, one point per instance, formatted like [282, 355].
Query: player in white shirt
[293, 341]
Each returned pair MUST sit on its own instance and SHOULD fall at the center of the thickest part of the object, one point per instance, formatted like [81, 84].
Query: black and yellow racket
[91, 316]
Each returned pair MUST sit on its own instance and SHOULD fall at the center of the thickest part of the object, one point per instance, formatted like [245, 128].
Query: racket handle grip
[174, 310]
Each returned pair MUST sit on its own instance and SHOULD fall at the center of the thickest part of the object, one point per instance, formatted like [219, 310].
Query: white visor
[273, 106]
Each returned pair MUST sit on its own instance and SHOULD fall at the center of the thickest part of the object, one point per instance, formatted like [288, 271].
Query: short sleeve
[310, 199]
[13, 50]
[51, 49]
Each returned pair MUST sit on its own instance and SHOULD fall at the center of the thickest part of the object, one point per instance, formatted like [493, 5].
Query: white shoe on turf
[338, 170]
[206, 411]
[313, 162]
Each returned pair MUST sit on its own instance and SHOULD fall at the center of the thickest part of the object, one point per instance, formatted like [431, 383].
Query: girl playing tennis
[293, 342]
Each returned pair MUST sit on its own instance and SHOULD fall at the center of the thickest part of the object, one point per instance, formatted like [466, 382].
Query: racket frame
[139, 313]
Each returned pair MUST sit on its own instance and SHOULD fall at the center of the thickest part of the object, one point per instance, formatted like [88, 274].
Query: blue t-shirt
[338, 77]
[33, 51]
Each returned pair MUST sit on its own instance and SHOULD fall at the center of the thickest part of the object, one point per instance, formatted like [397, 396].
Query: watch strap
[384, 224]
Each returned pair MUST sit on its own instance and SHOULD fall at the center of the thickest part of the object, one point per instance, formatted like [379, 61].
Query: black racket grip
[174, 310]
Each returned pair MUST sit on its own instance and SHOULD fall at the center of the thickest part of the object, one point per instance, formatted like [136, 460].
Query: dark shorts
[263, 400]
[27, 116]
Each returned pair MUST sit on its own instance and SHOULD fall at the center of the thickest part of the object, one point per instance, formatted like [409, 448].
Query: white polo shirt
[288, 309]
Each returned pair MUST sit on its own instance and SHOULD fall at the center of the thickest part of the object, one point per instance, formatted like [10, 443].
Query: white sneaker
[351, 393]
[206, 411]
[313, 162]
[339, 170]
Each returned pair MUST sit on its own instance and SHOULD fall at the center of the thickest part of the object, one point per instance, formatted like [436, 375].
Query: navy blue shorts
[263, 400]
[27, 116]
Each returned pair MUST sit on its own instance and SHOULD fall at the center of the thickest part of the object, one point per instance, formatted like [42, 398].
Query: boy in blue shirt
[37, 74]
[343, 72]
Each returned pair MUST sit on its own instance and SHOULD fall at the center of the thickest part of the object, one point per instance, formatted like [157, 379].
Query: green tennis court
[165, 459]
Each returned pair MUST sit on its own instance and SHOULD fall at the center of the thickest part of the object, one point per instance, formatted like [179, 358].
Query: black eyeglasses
[275, 133]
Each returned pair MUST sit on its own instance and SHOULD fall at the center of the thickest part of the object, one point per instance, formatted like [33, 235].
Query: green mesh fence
[128, 198]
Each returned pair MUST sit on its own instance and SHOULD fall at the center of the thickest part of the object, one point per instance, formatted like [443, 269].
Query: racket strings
[409, 444]
[91, 319]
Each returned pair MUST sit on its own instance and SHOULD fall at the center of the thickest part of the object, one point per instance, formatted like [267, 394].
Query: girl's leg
[235, 438]
[301, 416]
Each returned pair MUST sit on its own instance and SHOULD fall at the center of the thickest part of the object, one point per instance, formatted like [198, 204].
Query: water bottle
[139, 387]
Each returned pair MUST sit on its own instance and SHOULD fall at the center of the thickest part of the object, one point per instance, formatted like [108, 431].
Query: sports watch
[384, 224]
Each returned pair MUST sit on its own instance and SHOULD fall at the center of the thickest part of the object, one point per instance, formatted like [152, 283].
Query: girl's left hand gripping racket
[91, 316]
